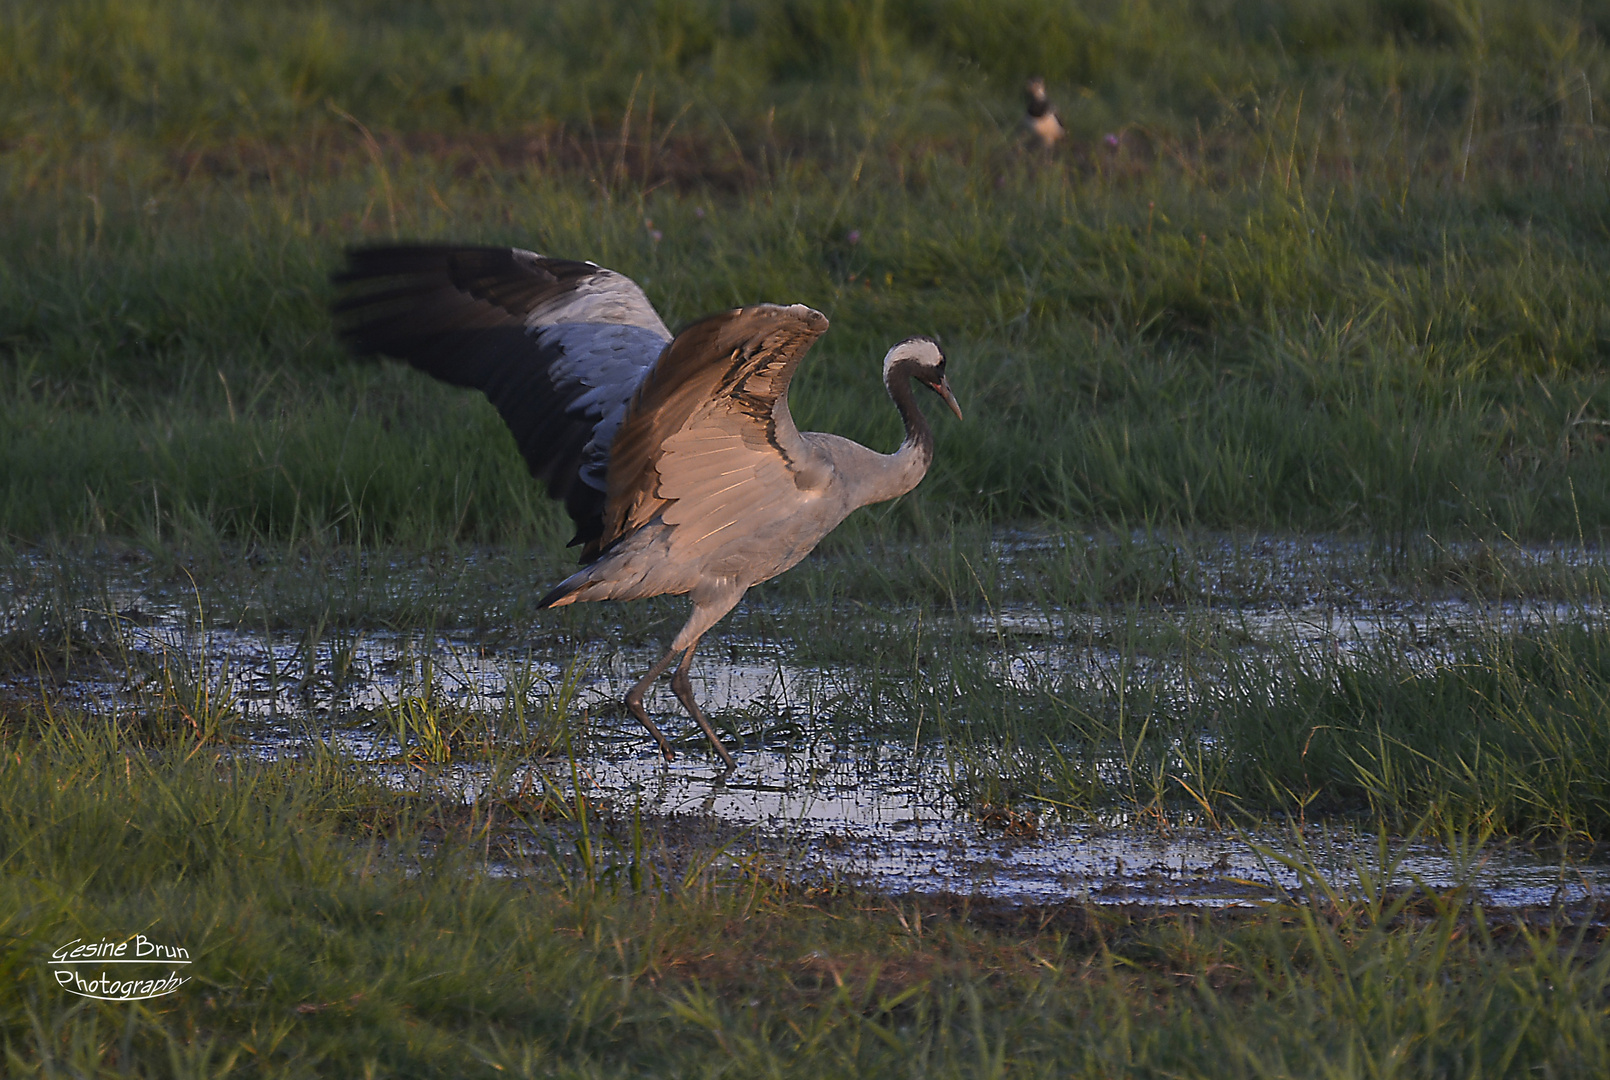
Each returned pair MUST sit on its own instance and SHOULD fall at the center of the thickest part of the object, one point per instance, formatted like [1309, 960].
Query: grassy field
[343, 928]
[1342, 269]
[1332, 266]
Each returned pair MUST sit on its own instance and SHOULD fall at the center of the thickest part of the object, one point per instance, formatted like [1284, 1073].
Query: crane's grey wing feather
[708, 438]
[713, 479]
[557, 345]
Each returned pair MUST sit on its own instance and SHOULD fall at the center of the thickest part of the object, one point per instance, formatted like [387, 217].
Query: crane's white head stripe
[923, 351]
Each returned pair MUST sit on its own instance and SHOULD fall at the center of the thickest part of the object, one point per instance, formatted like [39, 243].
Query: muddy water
[872, 812]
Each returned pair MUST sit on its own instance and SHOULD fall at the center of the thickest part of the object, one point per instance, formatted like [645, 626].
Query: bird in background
[675, 456]
[1040, 119]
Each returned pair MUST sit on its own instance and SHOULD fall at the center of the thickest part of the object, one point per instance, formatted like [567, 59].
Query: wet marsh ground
[389, 804]
[1175, 677]
[1231, 699]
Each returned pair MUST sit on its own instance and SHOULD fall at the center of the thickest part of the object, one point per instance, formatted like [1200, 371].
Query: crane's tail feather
[567, 591]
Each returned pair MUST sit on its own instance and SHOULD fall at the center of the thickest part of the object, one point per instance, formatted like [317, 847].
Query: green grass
[1357, 286]
[341, 928]
[182, 68]
[184, 373]
[1507, 734]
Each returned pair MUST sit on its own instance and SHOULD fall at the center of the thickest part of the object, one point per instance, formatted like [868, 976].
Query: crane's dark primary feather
[558, 347]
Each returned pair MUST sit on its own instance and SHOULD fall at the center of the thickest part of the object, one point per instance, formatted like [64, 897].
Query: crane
[675, 456]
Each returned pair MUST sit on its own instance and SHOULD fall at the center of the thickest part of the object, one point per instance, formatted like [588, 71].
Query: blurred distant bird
[1040, 119]
[676, 456]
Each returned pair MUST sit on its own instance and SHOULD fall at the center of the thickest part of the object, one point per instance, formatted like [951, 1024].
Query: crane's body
[685, 554]
[676, 456]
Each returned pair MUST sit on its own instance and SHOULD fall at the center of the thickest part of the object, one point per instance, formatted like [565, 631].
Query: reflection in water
[868, 811]
[878, 818]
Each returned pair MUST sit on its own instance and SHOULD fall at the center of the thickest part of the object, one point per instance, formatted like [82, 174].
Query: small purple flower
[854, 237]
[698, 212]
[1111, 140]
[655, 235]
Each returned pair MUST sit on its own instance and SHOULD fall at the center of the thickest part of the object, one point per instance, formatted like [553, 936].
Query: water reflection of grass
[1045, 691]
[340, 927]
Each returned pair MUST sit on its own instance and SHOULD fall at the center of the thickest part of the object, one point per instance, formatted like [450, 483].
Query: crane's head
[920, 358]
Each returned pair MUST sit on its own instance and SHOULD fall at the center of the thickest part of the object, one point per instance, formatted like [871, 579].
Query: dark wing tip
[394, 299]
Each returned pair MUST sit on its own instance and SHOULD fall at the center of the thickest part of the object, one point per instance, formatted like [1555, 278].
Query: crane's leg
[634, 703]
[682, 687]
[710, 603]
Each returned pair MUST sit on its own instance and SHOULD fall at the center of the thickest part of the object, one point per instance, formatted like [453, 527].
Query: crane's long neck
[905, 467]
[919, 441]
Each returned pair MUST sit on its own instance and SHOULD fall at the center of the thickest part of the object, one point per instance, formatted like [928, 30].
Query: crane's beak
[942, 388]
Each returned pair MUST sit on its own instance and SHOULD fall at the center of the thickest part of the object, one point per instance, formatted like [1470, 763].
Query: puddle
[1079, 648]
[873, 818]
[871, 812]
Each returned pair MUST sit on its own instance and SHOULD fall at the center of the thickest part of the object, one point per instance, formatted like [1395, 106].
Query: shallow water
[867, 810]
[888, 822]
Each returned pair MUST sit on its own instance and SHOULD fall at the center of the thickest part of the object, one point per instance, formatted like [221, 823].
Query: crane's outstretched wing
[558, 346]
[708, 440]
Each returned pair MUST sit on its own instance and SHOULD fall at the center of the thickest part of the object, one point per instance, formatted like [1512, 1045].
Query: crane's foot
[635, 707]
